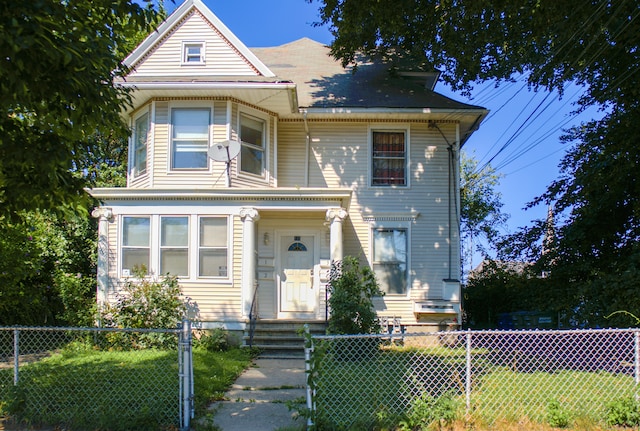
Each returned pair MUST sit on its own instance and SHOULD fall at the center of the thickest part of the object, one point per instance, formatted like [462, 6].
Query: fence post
[308, 350]
[636, 355]
[186, 375]
[16, 356]
[468, 373]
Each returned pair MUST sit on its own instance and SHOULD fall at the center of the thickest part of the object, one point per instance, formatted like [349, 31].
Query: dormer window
[192, 53]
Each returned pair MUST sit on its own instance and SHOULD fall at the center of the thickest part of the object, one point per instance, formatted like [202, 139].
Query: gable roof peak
[181, 12]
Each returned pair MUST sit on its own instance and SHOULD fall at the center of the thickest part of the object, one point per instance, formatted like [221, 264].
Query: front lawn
[85, 388]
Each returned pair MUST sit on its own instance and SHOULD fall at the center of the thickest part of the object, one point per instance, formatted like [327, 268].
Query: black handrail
[253, 315]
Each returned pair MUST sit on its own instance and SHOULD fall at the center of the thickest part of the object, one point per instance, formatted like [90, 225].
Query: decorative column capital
[336, 214]
[102, 213]
[249, 214]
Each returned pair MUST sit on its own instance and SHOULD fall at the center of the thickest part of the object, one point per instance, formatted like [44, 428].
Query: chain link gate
[489, 376]
[89, 378]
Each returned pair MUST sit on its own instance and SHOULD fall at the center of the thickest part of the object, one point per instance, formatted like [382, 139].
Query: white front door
[297, 295]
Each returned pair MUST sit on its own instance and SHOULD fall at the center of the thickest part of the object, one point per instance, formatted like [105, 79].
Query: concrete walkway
[257, 400]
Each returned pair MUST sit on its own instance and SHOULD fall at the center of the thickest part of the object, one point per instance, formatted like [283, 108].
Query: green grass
[83, 388]
[376, 392]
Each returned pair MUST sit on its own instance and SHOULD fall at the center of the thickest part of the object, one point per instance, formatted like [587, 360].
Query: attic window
[192, 53]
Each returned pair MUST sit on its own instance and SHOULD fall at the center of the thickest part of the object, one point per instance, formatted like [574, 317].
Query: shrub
[623, 412]
[147, 304]
[557, 415]
[351, 290]
[426, 410]
[216, 340]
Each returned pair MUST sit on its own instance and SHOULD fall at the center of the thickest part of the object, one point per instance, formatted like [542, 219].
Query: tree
[595, 258]
[59, 61]
[480, 204]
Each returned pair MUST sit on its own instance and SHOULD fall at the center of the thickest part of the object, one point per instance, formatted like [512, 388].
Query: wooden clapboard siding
[112, 253]
[166, 57]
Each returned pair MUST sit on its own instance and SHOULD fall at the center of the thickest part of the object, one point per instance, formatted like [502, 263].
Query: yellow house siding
[220, 57]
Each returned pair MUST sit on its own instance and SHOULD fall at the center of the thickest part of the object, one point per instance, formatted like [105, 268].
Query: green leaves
[58, 66]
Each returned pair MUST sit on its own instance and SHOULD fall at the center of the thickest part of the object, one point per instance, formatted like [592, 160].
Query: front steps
[281, 338]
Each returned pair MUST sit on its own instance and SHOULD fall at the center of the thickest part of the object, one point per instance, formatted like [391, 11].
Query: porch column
[103, 215]
[335, 217]
[249, 218]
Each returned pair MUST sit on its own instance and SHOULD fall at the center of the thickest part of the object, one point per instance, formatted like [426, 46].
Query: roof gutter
[278, 85]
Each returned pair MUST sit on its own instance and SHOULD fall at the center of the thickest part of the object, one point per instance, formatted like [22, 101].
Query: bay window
[212, 248]
[190, 138]
[135, 245]
[174, 246]
[252, 138]
[140, 144]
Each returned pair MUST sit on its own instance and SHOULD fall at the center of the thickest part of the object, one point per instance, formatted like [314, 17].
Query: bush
[623, 412]
[351, 290]
[147, 304]
[557, 415]
[216, 340]
[426, 410]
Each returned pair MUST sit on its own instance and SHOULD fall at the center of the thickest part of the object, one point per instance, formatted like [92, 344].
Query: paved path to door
[257, 400]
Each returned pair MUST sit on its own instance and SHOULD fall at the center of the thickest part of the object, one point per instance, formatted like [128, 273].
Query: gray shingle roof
[322, 82]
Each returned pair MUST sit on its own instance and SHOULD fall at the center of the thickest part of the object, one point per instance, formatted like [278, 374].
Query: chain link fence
[96, 378]
[484, 377]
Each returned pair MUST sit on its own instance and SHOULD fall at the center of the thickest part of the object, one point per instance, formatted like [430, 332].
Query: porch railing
[253, 314]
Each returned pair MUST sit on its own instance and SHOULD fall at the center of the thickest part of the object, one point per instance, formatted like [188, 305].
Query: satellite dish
[225, 151]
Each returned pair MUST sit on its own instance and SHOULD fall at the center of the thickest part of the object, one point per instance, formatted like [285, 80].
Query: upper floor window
[252, 137]
[190, 138]
[193, 53]
[388, 158]
[174, 246]
[390, 259]
[135, 244]
[140, 140]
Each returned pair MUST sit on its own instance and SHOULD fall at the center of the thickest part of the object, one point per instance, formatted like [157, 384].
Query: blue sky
[527, 124]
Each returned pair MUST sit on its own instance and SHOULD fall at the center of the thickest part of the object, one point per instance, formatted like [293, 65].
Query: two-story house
[250, 170]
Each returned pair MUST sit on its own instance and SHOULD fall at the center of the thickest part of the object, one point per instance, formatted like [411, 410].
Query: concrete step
[281, 335]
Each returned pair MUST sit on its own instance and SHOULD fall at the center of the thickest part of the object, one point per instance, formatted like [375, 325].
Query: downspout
[307, 148]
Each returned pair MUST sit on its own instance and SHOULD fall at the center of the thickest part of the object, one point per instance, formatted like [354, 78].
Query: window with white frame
[390, 259]
[193, 53]
[252, 137]
[140, 140]
[388, 158]
[174, 246]
[135, 251]
[190, 138]
[213, 247]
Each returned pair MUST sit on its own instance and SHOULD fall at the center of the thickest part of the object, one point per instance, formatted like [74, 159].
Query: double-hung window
[135, 244]
[190, 138]
[389, 158]
[212, 247]
[193, 53]
[390, 259]
[252, 137]
[140, 140]
[174, 246]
